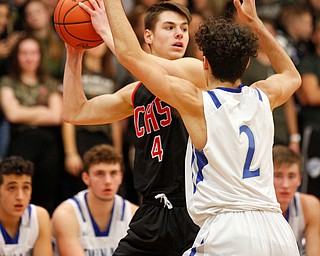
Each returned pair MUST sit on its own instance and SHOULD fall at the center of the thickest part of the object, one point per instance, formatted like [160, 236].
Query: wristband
[295, 137]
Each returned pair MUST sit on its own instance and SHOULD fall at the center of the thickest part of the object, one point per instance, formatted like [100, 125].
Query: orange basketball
[73, 24]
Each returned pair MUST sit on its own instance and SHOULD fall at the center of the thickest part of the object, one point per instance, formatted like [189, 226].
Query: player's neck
[101, 211]
[10, 223]
[99, 206]
[216, 83]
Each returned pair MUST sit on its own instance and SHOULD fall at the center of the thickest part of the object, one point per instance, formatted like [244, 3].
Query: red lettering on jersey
[150, 117]
[163, 110]
[137, 112]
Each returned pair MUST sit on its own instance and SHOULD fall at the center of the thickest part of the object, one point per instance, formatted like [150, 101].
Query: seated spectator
[24, 226]
[302, 211]
[96, 218]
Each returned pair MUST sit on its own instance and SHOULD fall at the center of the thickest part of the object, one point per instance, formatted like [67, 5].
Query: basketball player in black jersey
[161, 225]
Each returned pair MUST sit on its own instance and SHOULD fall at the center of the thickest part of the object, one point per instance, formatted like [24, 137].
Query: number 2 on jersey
[157, 150]
[251, 147]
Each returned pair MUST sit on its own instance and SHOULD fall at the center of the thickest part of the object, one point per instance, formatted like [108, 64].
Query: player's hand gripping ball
[73, 24]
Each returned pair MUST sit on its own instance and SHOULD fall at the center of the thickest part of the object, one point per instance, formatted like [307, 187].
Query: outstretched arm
[282, 85]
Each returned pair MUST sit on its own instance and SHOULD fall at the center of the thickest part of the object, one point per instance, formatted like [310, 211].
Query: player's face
[104, 180]
[286, 181]
[29, 55]
[15, 195]
[170, 37]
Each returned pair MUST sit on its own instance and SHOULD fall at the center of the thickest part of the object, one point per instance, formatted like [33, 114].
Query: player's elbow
[297, 80]
[68, 118]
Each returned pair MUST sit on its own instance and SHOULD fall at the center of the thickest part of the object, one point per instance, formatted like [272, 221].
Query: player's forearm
[73, 95]
[127, 46]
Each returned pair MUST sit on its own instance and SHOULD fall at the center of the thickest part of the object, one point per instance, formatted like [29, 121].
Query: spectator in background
[97, 79]
[296, 25]
[302, 211]
[314, 5]
[96, 218]
[38, 23]
[25, 228]
[285, 116]
[32, 104]
[8, 39]
[16, 13]
[51, 5]
[309, 100]
[193, 49]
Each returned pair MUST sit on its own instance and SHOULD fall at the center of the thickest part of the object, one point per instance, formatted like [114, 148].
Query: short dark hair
[102, 153]
[155, 10]
[283, 155]
[227, 46]
[15, 165]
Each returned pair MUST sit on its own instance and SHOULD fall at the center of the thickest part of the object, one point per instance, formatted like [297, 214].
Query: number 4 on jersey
[157, 150]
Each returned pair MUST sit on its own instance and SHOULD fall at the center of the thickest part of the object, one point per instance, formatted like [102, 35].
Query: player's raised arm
[282, 85]
[77, 109]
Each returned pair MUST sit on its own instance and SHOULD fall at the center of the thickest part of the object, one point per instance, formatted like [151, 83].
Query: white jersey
[229, 185]
[295, 218]
[23, 243]
[94, 242]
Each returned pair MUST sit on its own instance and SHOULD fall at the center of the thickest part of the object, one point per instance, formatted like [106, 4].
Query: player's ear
[148, 36]
[205, 63]
[85, 178]
[248, 63]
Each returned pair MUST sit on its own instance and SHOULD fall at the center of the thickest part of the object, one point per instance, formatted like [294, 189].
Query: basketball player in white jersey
[24, 227]
[94, 220]
[229, 170]
[301, 210]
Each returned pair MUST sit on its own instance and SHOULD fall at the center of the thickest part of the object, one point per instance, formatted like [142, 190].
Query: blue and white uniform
[229, 184]
[295, 217]
[93, 241]
[22, 244]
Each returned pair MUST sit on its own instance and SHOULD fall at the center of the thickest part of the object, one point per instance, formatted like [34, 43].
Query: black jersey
[160, 146]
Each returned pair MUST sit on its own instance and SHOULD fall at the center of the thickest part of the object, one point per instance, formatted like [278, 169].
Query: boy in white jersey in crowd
[24, 227]
[301, 210]
[229, 171]
[94, 220]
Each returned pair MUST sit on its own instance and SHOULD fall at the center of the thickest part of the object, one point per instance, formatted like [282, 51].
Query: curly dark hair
[16, 165]
[227, 46]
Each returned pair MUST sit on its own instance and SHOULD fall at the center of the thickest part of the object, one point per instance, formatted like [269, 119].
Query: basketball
[73, 24]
